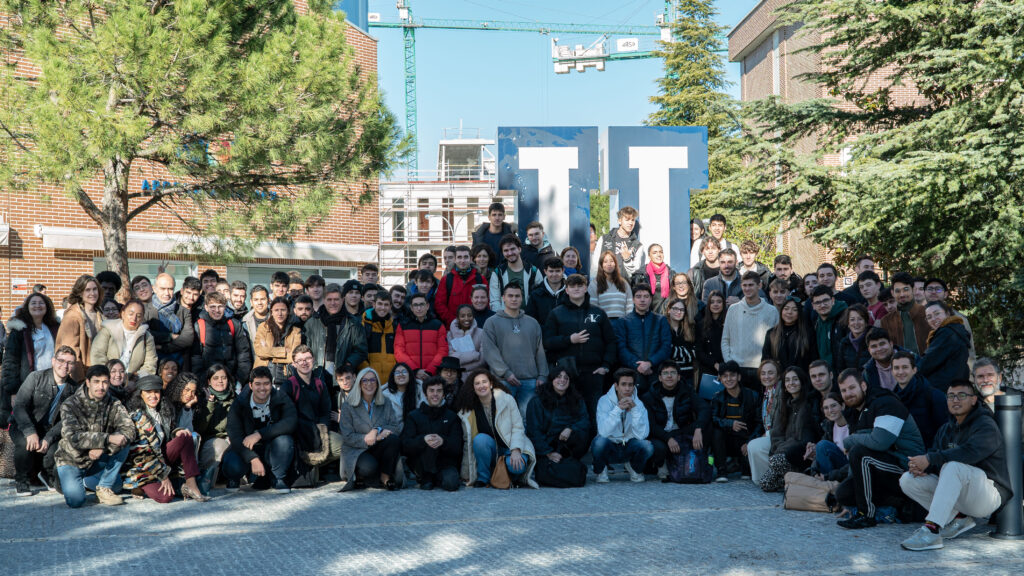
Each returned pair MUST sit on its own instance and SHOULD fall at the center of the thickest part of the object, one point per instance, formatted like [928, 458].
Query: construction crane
[565, 58]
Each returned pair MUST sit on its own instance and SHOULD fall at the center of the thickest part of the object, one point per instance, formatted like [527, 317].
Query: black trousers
[725, 443]
[381, 458]
[874, 480]
[661, 447]
[427, 467]
[591, 386]
[28, 464]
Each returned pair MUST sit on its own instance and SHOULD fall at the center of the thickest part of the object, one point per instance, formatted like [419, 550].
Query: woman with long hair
[685, 337]
[682, 288]
[30, 346]
[82, 321]
[118, 381]
[709, 345]
[610, 291]
[492, 428]
[484, 259]
[697, 233]
[402, 390]
[794, 431]
[853, 350]
[790, 341]
[559, 428]
[275, 339]
[759, 448]
[572, 262]
[211, 423]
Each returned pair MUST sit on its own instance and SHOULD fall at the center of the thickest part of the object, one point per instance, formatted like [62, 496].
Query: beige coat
[73, 333]
[266, 352]
[109, 343]
[508, 423]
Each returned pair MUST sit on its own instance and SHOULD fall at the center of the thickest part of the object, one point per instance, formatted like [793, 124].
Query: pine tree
[257, 112]
[692, 92]
[934, 183]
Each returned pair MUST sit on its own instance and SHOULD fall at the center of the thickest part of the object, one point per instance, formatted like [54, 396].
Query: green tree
[257, 111]
[692, 92]
[934, 182]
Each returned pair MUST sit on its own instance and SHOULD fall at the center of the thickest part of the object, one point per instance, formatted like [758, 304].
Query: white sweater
[745, 328]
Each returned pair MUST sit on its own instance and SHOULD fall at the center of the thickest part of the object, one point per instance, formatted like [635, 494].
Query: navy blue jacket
[926, 404]
[643, 337]
[945, 360]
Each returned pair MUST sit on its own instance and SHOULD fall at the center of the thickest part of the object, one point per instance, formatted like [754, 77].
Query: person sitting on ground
[261, 423]
[370, 431]
[964, 475]
[795, 431]
[95, 434]
[313, 428]
[735, 412]
[949, 347]
[882, 438]
[159, 447]
[466, 340]
[492, 428]
[926, 404]
[432, 440]
[771, 392]
[853, 348]
[275, 339]
[622, 429]
[559, 428]
[128, 339]
[676, 415]
[401, 391]
[183, 394]
[36, 427]
[211, 423]
[830, 452]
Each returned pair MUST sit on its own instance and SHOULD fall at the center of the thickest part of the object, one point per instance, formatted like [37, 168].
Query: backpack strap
[231, 327]
[201, 324]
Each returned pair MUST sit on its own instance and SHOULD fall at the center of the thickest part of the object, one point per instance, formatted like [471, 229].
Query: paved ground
[619, 528]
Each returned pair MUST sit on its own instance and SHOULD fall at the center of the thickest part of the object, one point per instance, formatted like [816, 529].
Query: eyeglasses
[677, 309]
[63, 362]
[961, 396]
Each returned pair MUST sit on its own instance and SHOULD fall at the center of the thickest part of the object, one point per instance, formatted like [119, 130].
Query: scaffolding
[425, 211]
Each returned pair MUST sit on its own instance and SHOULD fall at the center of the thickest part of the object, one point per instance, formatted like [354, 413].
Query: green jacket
[211, 419]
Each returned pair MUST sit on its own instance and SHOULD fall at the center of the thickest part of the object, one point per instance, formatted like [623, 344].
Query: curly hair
[466, 398]
[175, 388]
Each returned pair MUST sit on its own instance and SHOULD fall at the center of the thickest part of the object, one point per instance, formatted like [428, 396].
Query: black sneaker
[426, 486]
[23, 489]
[858, 522]
[232, 485]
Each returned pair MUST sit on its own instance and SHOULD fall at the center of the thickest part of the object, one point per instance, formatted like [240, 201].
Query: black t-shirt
[493, 241]
[708, 271]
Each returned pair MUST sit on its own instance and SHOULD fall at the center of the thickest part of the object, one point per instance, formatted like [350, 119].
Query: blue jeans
[102, 473]
[485, 450]
[523, 393]
[635, 451]
[828, 457]
[277, 455]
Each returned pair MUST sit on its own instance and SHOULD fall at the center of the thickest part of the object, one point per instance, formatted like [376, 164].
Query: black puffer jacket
[567, 319]
[19, 361]
[439, 420]
[945, 360]
[241, 423]
[689, 411]
[544, 423]
[223, 345]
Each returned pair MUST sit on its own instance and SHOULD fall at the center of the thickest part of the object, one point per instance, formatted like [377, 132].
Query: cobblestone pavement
[618, 528]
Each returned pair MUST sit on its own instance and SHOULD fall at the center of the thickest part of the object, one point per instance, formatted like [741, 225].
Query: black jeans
[725, 443]
[381, 458]
[591, 386]
[28, 464]
[874, 480]
[661, 450]
[425, 465]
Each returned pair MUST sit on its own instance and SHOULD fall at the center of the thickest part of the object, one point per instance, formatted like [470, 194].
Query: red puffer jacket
[453, 290]
[421, 344]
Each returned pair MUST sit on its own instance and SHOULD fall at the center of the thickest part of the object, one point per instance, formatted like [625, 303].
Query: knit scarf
[654, 271]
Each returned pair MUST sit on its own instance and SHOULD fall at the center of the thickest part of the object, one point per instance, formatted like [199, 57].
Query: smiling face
[792, 384]
[465, 317]
[261, 388]
[608, 264]
[435, 395]
[482, 387]
[259, 302]
[480, 300]
[769, 375]
[935, 316]
[657, 254]
[188, 393]
[790, 313]
[219, 380]
[168, 372]
[37, 308]
[570, 259]
[303, 362]
[727, 264]
[91, 294]
[151, 397]
[482, 260]
[401, 375]
[368, 386]
[117, 375]
[143, 290]
[833, 410]
[560, 384]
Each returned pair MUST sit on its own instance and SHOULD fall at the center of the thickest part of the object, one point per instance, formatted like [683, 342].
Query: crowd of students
[512, 366]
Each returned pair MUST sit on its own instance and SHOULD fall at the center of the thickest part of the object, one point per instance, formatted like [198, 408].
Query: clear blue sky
[487, 78]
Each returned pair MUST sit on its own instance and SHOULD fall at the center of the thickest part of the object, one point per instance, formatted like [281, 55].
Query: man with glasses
[312, 397]
[828, 329]
[36, 426]
[907, 325]
[963, 476]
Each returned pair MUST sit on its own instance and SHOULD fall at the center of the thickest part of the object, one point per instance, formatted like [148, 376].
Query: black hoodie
[567, 319]
[977, 442]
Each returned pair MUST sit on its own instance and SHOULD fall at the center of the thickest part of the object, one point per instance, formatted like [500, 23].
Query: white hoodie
[618, 426]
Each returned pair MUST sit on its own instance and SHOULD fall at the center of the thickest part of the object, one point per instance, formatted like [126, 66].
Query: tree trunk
[114, 215]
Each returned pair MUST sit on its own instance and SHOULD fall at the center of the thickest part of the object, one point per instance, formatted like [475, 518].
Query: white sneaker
[722, 479]
[602, 478]
[634, 476]
[923, 539]
[957, 527]
[663, 472]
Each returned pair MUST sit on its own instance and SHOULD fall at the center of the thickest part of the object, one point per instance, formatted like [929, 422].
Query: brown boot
[107, 497]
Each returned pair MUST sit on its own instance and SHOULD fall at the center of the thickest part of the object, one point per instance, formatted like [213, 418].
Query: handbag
[689, 466]
[566, 473]
[6, 454]
[810, 494]
[500, 478]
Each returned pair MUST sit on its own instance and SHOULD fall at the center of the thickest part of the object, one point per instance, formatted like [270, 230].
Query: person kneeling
[559, 428]
[260, 426]
[369, 431]
[432, 439]
[159, 447]
[963, 475]
[95, 434]
[492, 428]
[621, 428]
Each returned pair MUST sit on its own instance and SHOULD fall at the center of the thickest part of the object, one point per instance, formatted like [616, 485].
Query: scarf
[659, 273]
[223, 395]
[947, 322]
[169, 315]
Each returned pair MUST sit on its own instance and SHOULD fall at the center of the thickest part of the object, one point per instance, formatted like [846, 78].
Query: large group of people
[510, 365]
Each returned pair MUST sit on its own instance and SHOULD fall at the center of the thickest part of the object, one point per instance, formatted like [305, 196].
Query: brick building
[46, 237]
[770, 64]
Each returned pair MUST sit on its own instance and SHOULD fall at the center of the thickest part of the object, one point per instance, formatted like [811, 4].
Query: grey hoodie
[514, 346]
